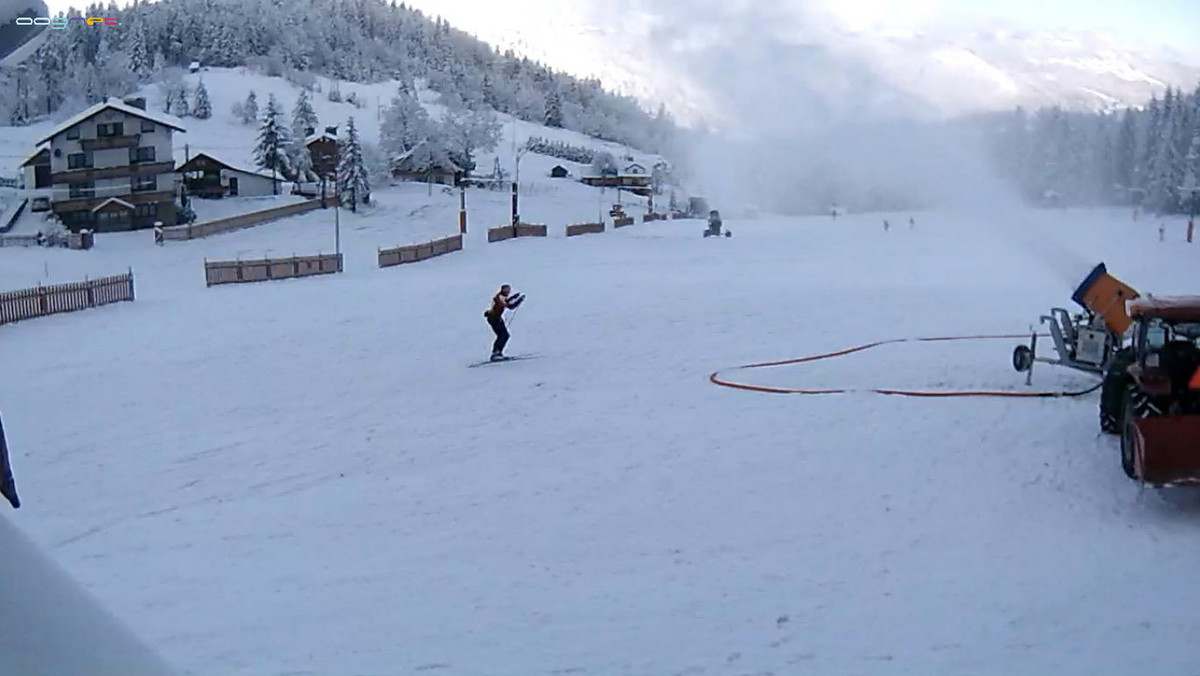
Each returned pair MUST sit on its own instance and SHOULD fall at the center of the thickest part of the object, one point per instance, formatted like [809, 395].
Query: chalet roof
[317, 137]
[112, 200]
[119, 105]
[216, 160]
[1170, 308]
[31, 159]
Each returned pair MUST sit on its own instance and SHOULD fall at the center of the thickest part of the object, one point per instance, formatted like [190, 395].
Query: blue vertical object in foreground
[8, 485]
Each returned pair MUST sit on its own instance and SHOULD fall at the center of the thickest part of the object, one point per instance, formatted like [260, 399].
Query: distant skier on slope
[505, 299]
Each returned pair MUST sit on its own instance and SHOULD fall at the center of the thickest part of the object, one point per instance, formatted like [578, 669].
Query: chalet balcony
[85, 203]
[106, 142]
[121, 171]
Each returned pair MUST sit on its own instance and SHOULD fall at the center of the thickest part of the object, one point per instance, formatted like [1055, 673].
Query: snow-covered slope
[304, 477]
[693, 57]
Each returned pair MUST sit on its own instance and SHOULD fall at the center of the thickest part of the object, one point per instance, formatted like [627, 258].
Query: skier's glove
[516, 301]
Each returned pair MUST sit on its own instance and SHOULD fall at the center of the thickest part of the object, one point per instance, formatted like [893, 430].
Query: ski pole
[513, 317]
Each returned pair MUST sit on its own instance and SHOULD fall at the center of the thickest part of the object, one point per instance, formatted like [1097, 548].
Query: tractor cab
[1153, 395]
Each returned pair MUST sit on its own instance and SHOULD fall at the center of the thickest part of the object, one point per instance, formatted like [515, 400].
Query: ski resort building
[406, 168]
[111, 167]
[206, 176]
[323, 150]
[36, 169]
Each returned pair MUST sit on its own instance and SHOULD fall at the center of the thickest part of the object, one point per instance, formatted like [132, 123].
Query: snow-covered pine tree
[273, 140]
[354, 184]
[303, 116]
[250, 109]
[140, 61]
[300, 160]
[202, 108]
[554, 115]
[182, 107]
[1125, 161]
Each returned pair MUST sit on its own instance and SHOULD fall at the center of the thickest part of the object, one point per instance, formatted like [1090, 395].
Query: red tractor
[1151, 392]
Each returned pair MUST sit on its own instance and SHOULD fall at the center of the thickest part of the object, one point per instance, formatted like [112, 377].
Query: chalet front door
[233, 188]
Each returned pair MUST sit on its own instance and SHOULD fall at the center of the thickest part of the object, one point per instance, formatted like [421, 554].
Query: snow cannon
[1106, 296]
[1087, 341]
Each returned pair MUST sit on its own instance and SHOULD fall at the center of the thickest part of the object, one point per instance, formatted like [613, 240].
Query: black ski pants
[497, 324]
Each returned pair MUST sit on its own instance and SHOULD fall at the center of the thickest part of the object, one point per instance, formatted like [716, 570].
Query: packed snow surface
[304, 477]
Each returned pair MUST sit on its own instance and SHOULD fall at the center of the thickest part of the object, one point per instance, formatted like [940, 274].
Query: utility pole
[462, 209]
[515, 217]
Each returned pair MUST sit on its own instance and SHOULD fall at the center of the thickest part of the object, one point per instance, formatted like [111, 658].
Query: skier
[886, 225]
[714, 225]
[505, 299]
[8, 486]
[912, 223]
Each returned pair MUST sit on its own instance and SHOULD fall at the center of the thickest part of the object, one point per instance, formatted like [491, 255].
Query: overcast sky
[1172, 23]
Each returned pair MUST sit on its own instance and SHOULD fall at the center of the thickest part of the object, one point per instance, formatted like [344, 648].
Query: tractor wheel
[1022, 358]
[1127, 431]
[1112, 393]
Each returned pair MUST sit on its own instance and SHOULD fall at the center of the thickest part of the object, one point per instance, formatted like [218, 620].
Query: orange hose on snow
[715, 378]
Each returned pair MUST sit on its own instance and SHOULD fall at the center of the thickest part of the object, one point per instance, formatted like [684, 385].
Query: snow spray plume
[804, 125]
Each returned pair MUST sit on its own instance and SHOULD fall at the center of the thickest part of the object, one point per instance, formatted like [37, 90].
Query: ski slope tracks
[304, 476]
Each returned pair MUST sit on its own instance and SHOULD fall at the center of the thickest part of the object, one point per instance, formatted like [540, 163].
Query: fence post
[91, 292]
[131, 294]
[42, 305]
[295, 266]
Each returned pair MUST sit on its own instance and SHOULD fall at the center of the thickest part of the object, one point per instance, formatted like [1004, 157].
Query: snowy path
[303, 477]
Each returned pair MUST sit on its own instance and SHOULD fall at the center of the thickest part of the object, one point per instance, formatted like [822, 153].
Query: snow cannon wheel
[1022, 358]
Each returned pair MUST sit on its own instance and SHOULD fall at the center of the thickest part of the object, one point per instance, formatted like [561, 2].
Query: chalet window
[73, 133]
[110, 129]
[79, 161]
[110, 218]
[147, 126]
[83, 189]
[144, 183]
[142, 154]
[146, 210]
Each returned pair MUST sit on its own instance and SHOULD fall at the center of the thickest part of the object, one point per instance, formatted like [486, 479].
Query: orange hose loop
[715, 378]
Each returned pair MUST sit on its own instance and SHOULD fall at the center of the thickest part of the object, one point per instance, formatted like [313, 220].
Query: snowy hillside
[305, 477]
[696, 57]
[225, 137]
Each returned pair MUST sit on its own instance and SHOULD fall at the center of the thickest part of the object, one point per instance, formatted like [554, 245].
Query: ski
[515, 357]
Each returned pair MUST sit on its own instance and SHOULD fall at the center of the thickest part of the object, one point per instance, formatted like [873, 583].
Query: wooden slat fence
[419, 252]
[501, 233]
[521, 230]
[239, 222]
[18, 240]
[652, 216]
[264, 269]
[584, 229]
[530, 230]
[41, 301]
[622, 221]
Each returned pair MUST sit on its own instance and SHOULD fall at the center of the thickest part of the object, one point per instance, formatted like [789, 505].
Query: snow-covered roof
[227, 165]
[111, 200]
[318, 137]
[42, 147]
[194, 64]
[119, 105]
